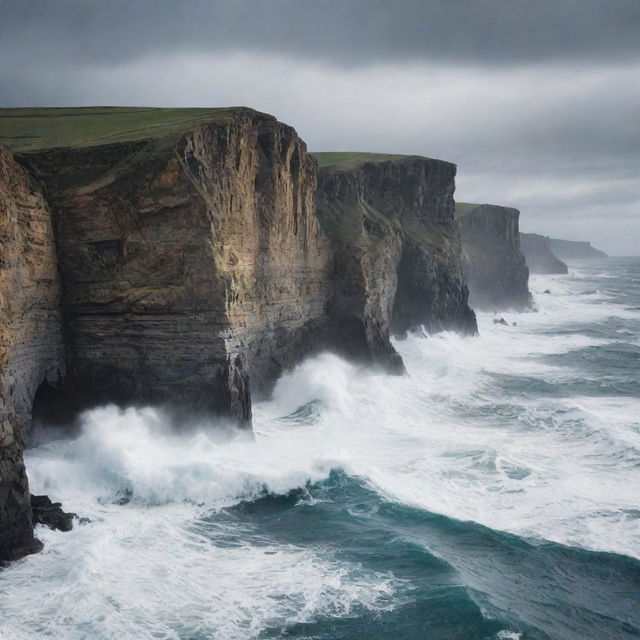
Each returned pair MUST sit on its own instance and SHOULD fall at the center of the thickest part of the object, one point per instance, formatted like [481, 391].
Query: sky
[536, 101]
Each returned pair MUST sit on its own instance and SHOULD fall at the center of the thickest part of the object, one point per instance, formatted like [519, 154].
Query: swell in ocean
[489, 494]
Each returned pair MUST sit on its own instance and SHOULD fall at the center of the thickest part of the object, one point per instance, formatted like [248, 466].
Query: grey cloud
[537, 102]
[344, 32]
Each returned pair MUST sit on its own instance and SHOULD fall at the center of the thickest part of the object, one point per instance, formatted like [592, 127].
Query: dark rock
[539, 256]
[397, 252]
[500, 321]
[51, 514]
[494, 265]
[191, 268]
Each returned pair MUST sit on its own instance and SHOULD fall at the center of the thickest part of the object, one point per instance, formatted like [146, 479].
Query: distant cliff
[177, 257]
[494, 265]
[538, 254]
[575, 250]
[397, 251]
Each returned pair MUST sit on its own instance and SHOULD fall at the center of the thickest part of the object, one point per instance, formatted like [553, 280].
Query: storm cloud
[538, 102]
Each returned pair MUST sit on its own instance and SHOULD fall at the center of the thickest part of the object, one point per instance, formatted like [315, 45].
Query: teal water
[491, 494]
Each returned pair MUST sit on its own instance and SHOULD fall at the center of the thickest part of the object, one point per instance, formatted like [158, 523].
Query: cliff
[176, 257]
[31, 343]
[192, 260]
[575, 250]
[495, 268]
[538, 254]
[397, 252]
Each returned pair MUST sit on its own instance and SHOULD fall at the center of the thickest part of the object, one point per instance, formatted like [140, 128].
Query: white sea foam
[449, 438]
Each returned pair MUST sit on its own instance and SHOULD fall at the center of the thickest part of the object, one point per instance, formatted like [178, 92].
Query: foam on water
[469, 433]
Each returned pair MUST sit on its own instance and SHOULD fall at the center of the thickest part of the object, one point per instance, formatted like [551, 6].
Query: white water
[446, 439]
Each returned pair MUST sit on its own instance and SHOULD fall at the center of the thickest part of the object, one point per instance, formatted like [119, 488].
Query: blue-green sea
[492, 493]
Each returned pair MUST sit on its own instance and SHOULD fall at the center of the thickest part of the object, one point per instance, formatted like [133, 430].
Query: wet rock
[51, 514]
[500, 321]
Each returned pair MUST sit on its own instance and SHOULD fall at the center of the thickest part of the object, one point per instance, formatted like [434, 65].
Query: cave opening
[54, 413]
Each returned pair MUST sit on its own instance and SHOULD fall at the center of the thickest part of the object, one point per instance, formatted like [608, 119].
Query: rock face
[189, 263]
[575, 250]
[495, 268]
[31, 343]
[397, 253]
[538, 254]
[179, 259]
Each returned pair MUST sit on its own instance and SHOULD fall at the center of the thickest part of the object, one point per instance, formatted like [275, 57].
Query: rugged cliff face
[31, 345]
[398, 264]
[179, 259]
[538, 254]
[192, 262]
[494, 265]
[575, 250]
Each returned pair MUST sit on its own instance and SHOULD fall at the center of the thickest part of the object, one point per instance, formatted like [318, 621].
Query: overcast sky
[536, 101]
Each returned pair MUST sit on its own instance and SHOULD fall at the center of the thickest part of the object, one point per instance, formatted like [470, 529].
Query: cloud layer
[537, 102]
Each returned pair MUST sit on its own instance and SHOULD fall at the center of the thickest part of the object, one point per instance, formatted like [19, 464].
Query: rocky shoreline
[188, 263]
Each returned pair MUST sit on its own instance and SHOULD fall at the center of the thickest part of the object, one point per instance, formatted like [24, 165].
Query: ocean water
[493, 493]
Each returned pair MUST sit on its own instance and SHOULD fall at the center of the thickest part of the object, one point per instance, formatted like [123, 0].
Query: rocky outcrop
[494, 265]
[31, 341]
[575, 250]
[397, 253]
[50, 514]
[538, 254]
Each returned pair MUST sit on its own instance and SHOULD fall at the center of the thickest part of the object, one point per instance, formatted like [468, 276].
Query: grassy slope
[29, 129]
[346, 160]
[462, 208]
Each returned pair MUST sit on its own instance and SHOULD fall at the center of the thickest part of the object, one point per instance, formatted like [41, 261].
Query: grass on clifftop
[28, 129]
[346, 160]
[462, 208]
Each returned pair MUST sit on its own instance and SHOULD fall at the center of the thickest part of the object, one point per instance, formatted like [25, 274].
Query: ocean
[493, 493]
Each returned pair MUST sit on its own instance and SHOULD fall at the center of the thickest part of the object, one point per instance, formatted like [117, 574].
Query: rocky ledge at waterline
[176, 257]
[495, 268]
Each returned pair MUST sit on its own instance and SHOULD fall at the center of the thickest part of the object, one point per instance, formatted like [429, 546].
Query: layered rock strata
[176, 257]
[31, 339]
[396, 249]
[538, 254]
[495, 268]
[190, 262]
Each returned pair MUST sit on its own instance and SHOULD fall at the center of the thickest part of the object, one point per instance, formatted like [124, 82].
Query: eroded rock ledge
[495, 267]
[177, 257]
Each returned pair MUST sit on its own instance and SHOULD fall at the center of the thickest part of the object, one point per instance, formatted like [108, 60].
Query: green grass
[347, 160]
[462, 208]
[28, 129]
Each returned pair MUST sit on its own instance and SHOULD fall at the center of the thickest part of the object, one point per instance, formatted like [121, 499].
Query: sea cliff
[539, 256]
[186, 257]
[575, 250]
[495, 268]
[397, 254]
